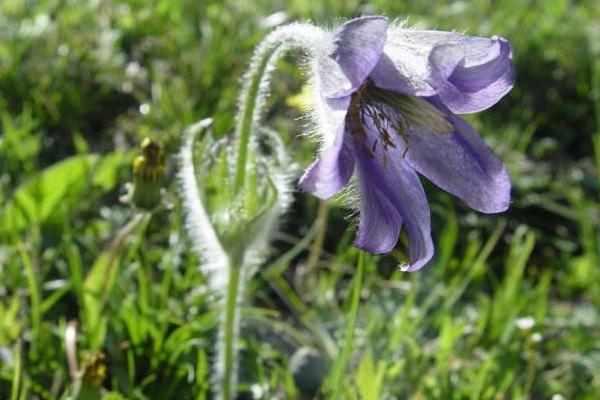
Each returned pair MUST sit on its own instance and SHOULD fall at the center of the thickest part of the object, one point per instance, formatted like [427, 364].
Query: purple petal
[355, 50]
[334, 165]
[471, 78]
[400, 78]
[403, 65]
[462, 164]
[468, 73]
[379, 225]
[388, 176]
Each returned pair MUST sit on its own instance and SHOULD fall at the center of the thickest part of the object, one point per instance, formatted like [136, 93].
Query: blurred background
[507, 310]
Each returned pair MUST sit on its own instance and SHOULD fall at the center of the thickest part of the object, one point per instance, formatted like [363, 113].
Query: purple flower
[384, 102]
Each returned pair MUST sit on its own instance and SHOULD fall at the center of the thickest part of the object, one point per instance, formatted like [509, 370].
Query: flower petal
[334, 165]
[469, 73]
[379, 224]
[403, 65]
[355, 49]
[385, 174]
[462, 164]
[471, 79]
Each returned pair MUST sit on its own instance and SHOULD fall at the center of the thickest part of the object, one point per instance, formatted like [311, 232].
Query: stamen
[392, 112]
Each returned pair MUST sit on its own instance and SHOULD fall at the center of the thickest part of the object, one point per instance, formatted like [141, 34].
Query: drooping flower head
[385, 99]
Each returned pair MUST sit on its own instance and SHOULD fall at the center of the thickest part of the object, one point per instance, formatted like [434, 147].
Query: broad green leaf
[35, 200]
[106, 170]
[62, 183]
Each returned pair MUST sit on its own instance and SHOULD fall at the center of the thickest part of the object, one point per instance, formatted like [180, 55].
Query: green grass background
[82, 82]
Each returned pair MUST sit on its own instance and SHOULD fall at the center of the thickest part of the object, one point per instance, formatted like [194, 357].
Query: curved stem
[247, 112]
[257, 79]
[251, 105]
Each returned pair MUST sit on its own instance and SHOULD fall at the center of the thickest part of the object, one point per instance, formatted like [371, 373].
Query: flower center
[386, 114]
[368, 112]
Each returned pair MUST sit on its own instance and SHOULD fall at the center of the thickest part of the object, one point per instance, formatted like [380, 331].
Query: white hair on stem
[256, 81]
[303, 36]
[214, 261]
[228, 273]
[281, 173]
[213, 258]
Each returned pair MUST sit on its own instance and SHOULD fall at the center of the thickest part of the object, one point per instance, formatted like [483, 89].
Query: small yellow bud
[93, 369]
[148, 173]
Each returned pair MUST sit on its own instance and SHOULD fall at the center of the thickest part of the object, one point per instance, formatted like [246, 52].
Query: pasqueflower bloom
[385, 99]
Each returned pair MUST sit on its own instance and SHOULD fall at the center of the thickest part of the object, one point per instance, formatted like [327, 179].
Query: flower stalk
[230, 328]
[252, 101]
[219, 226]
[257, 80]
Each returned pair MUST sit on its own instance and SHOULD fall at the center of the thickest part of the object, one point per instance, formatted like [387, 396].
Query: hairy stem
[214, 260]
[257, 79]
[229, 330]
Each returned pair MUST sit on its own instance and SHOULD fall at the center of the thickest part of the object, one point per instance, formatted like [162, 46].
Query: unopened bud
[93, 369]
[148, 174]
